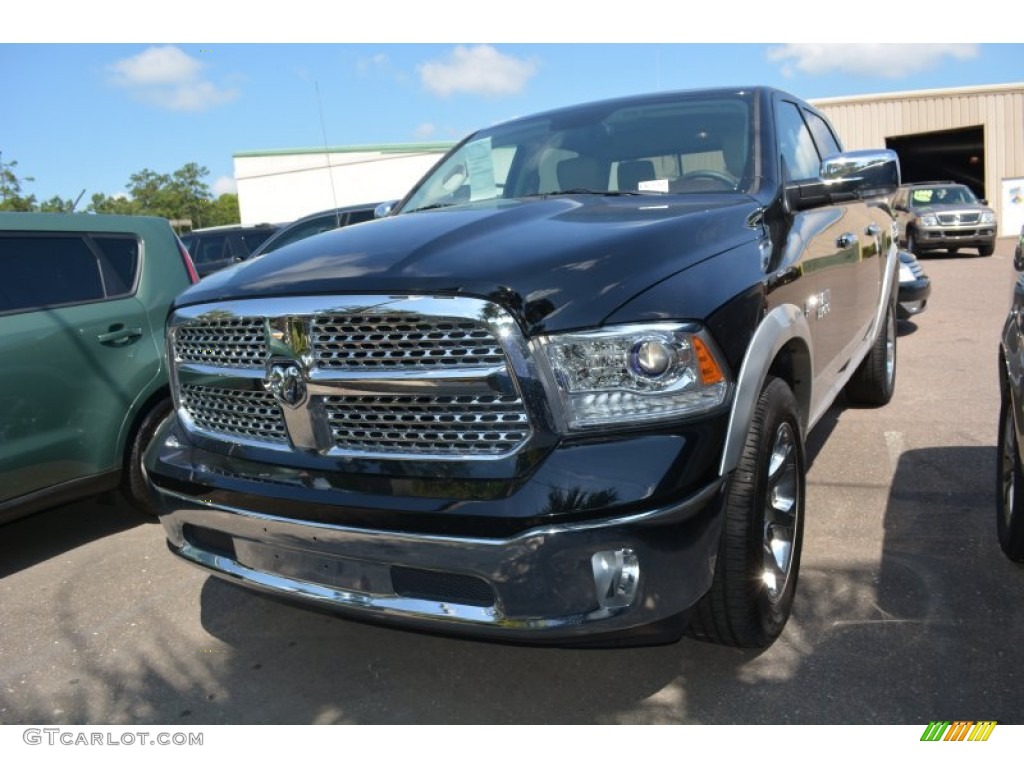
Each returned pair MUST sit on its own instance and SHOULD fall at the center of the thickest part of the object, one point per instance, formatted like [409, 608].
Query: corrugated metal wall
[864, 122]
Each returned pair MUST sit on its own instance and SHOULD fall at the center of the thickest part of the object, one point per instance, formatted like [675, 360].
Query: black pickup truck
[559, 393]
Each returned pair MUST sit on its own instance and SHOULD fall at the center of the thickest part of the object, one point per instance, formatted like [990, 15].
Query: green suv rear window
[59, 269]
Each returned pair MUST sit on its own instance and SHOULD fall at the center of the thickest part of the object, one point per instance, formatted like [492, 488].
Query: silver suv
[943, 215]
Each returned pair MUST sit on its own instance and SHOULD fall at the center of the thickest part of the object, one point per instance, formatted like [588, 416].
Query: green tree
[223, 210]
[189, 194]
[152, 195]
[11, 198]
[57, 204]
[101, 203]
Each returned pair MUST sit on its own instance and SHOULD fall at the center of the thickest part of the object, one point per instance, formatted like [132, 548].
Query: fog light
[616, 577]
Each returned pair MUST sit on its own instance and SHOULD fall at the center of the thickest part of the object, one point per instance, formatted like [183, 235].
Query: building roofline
[930, 93]
[384, 149]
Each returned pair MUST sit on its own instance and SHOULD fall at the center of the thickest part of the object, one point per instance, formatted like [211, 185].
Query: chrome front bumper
[542, 581]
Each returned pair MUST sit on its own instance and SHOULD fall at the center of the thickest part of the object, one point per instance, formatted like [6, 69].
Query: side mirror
[848, 176]
[384, 209]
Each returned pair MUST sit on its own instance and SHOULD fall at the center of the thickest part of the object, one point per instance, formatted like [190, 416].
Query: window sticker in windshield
[922, 195]
[481, 170]
[654, 185]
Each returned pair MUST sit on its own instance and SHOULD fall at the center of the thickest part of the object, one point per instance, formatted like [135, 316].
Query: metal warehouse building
[971, 135]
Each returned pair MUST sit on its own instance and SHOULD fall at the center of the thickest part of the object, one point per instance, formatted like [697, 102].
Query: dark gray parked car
[314, 224]
[943, 215]
[214, 248]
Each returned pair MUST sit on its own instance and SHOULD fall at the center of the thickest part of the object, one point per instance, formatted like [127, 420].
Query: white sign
[1012, 216]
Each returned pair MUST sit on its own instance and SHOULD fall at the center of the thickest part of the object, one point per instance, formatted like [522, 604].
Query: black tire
[133, 484]
[911, 241]
[1010, 486]
[759, 555]
[986, 250]
[874, 381]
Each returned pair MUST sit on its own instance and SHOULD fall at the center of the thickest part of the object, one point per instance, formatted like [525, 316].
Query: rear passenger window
[119, 263]
[56, 270]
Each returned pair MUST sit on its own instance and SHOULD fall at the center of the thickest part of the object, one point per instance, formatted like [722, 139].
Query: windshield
[921, 198]
[677, 144]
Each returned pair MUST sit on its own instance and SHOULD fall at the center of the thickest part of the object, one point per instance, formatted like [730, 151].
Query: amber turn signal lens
[710, 373]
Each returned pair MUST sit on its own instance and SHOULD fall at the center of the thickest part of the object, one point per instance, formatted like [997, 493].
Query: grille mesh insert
[400, 341]
[253, 415]
[230, 343]
[439, 425]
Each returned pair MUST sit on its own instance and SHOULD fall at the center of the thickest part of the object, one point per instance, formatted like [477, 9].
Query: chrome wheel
[1009, 519]
[781, 518]
[1008, 467]
[890, 347]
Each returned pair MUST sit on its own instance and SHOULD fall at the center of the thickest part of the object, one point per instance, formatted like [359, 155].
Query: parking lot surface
[906, 611]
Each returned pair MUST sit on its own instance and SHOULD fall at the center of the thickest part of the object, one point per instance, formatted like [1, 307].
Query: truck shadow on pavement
[52, 532]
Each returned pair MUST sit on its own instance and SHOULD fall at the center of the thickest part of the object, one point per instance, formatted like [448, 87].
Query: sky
[81, 115]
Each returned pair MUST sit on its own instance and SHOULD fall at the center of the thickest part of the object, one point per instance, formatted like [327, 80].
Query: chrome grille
[959, 218]
[401, 341]
[429, 424]
[388, 376]
[252, 415]
[237, 342]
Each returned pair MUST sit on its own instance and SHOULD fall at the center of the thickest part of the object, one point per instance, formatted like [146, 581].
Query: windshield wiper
[432, 207]
[583, 191]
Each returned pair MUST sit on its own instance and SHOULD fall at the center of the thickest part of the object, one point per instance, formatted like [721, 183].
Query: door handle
[846, 239]
[119, 336]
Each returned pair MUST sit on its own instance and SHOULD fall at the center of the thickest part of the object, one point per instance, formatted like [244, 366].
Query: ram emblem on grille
[285, 383]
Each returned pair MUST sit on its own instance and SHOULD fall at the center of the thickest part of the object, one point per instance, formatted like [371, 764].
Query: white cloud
[872, 59]
[370, 63]
[423, 130]
[224, 185]
[480, 69]
[167, 77]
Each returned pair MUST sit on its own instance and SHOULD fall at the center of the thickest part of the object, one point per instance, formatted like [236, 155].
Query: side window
[823, 136]
[209, 249]
[254, 240]
[357, 217]
[795, 142]
[119, 263]
[47, 271]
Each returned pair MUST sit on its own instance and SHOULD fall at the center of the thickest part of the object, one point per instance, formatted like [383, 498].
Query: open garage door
[956, 155]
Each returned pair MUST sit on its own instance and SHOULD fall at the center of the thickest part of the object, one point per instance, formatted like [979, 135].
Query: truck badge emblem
[285, 383]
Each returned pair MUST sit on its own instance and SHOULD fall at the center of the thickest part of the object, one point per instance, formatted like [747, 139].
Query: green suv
[83, 384]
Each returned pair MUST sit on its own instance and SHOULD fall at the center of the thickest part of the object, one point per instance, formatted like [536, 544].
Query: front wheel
[986, 250]
[134, 483]
[759, 555]
[911, 241]
[1010, 491]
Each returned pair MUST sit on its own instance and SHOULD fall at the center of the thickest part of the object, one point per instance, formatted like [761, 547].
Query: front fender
[783, 329]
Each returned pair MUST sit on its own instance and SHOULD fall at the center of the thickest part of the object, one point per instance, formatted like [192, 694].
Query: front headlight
[988, 217]
[634, 373]
[929, 220]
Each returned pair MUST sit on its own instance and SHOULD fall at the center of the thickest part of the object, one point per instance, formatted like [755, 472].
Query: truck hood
[555, 263]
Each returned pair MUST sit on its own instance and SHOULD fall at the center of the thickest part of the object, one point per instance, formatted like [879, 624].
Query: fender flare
[783, 325]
